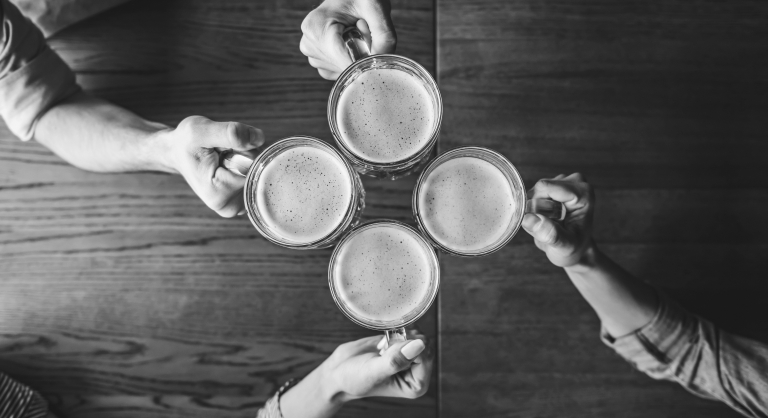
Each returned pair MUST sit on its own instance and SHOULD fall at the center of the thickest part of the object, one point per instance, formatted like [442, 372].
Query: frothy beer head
[384, 275]
[303, 193]
[469, 204]
[386, 115]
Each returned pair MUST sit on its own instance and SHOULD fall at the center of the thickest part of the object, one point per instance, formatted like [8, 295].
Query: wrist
[331, 384]
[158, 152]
[318, 392]
[588, 260]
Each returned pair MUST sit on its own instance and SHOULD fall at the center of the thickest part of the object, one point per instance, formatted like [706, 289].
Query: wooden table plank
[123, 295]
[662, 105]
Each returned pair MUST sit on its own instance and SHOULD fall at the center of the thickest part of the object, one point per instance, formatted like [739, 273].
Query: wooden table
[123, 296]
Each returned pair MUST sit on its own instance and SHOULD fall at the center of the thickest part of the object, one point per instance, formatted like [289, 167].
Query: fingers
[322, 41]
[378, 23]
[571, 190]
[321, 65]
[546, 231]
[398, 357]
[227, 198]
[328, 75]
[324, 26]
[421, 373]
[332, 46]
[206, 133]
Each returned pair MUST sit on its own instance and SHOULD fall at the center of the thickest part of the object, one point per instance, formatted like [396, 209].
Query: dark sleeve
[33, 78]
[681, 347]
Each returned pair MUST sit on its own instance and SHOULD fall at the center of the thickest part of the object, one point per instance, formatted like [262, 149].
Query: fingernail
[382, 343]
[256, 136]
[529, 221]
[413, 349]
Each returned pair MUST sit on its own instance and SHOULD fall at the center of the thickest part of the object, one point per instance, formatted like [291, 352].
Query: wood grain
[123, 295]
[662, 106]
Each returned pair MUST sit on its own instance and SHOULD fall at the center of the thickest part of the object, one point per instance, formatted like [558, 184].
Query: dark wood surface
[663, 106]
[123, 295]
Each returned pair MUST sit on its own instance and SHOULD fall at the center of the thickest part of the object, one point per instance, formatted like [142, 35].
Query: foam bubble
[385, 115]
[383, 273]
[303, 194]
[466, 204]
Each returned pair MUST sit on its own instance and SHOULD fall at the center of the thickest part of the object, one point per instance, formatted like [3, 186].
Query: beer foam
[466, 204]
[384, 273]
[303, 193]
[385, 115]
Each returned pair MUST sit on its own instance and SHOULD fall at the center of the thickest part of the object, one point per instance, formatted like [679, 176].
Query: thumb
[545, 230]
[382, 30]
[398, 357]
[231, 135]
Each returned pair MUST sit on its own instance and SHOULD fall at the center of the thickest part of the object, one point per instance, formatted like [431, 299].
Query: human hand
[192, 150]
[403, 370]
[564, 243]
[322, 28]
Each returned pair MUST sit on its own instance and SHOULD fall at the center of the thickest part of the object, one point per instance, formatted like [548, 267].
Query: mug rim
[394, 165]
[264, 158]
[458, 153]
[434, 262]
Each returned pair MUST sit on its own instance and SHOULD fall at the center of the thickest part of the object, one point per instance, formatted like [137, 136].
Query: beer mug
[300, 192]
[384, 276]
[470, 201]
[384, 111]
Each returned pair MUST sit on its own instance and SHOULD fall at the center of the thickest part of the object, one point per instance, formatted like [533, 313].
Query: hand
[403, 370]
[357, 370]
[193, 151]
[322, 28]
[565, 243]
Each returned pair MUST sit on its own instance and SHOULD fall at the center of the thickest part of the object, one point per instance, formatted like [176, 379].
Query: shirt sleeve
[17, 400]
[681, 347]
[33, 78]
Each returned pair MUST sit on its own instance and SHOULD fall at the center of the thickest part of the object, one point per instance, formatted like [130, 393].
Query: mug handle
[355, 43]
[393, 336]
[236, 163]
[546, 207]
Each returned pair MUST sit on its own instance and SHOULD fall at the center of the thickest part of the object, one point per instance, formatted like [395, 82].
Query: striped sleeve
[19, 401]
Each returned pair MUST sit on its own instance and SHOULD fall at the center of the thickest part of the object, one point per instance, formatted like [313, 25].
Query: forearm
[313, 397]
[96, 135]
[622, 302]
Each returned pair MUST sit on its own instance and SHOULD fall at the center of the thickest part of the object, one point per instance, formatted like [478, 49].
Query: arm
[40, 100]
[96, 135]
[357, 370]
[323, 27]
[642, 325]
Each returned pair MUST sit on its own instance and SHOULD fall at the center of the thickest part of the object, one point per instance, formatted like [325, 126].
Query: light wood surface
[123, 295]
[662, 105]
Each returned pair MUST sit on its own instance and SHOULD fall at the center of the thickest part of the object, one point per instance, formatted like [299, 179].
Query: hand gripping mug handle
[546, 207]
[393, 336]
[236, 163]
[355, 43]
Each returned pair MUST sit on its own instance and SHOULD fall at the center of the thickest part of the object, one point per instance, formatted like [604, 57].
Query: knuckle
[307, 22]
[541, 184]
[394, 364]
[304, 45]
[227, 213]
[231, 132]
[548, 235]
[312, 22]
[420, 390]
[411, 394]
